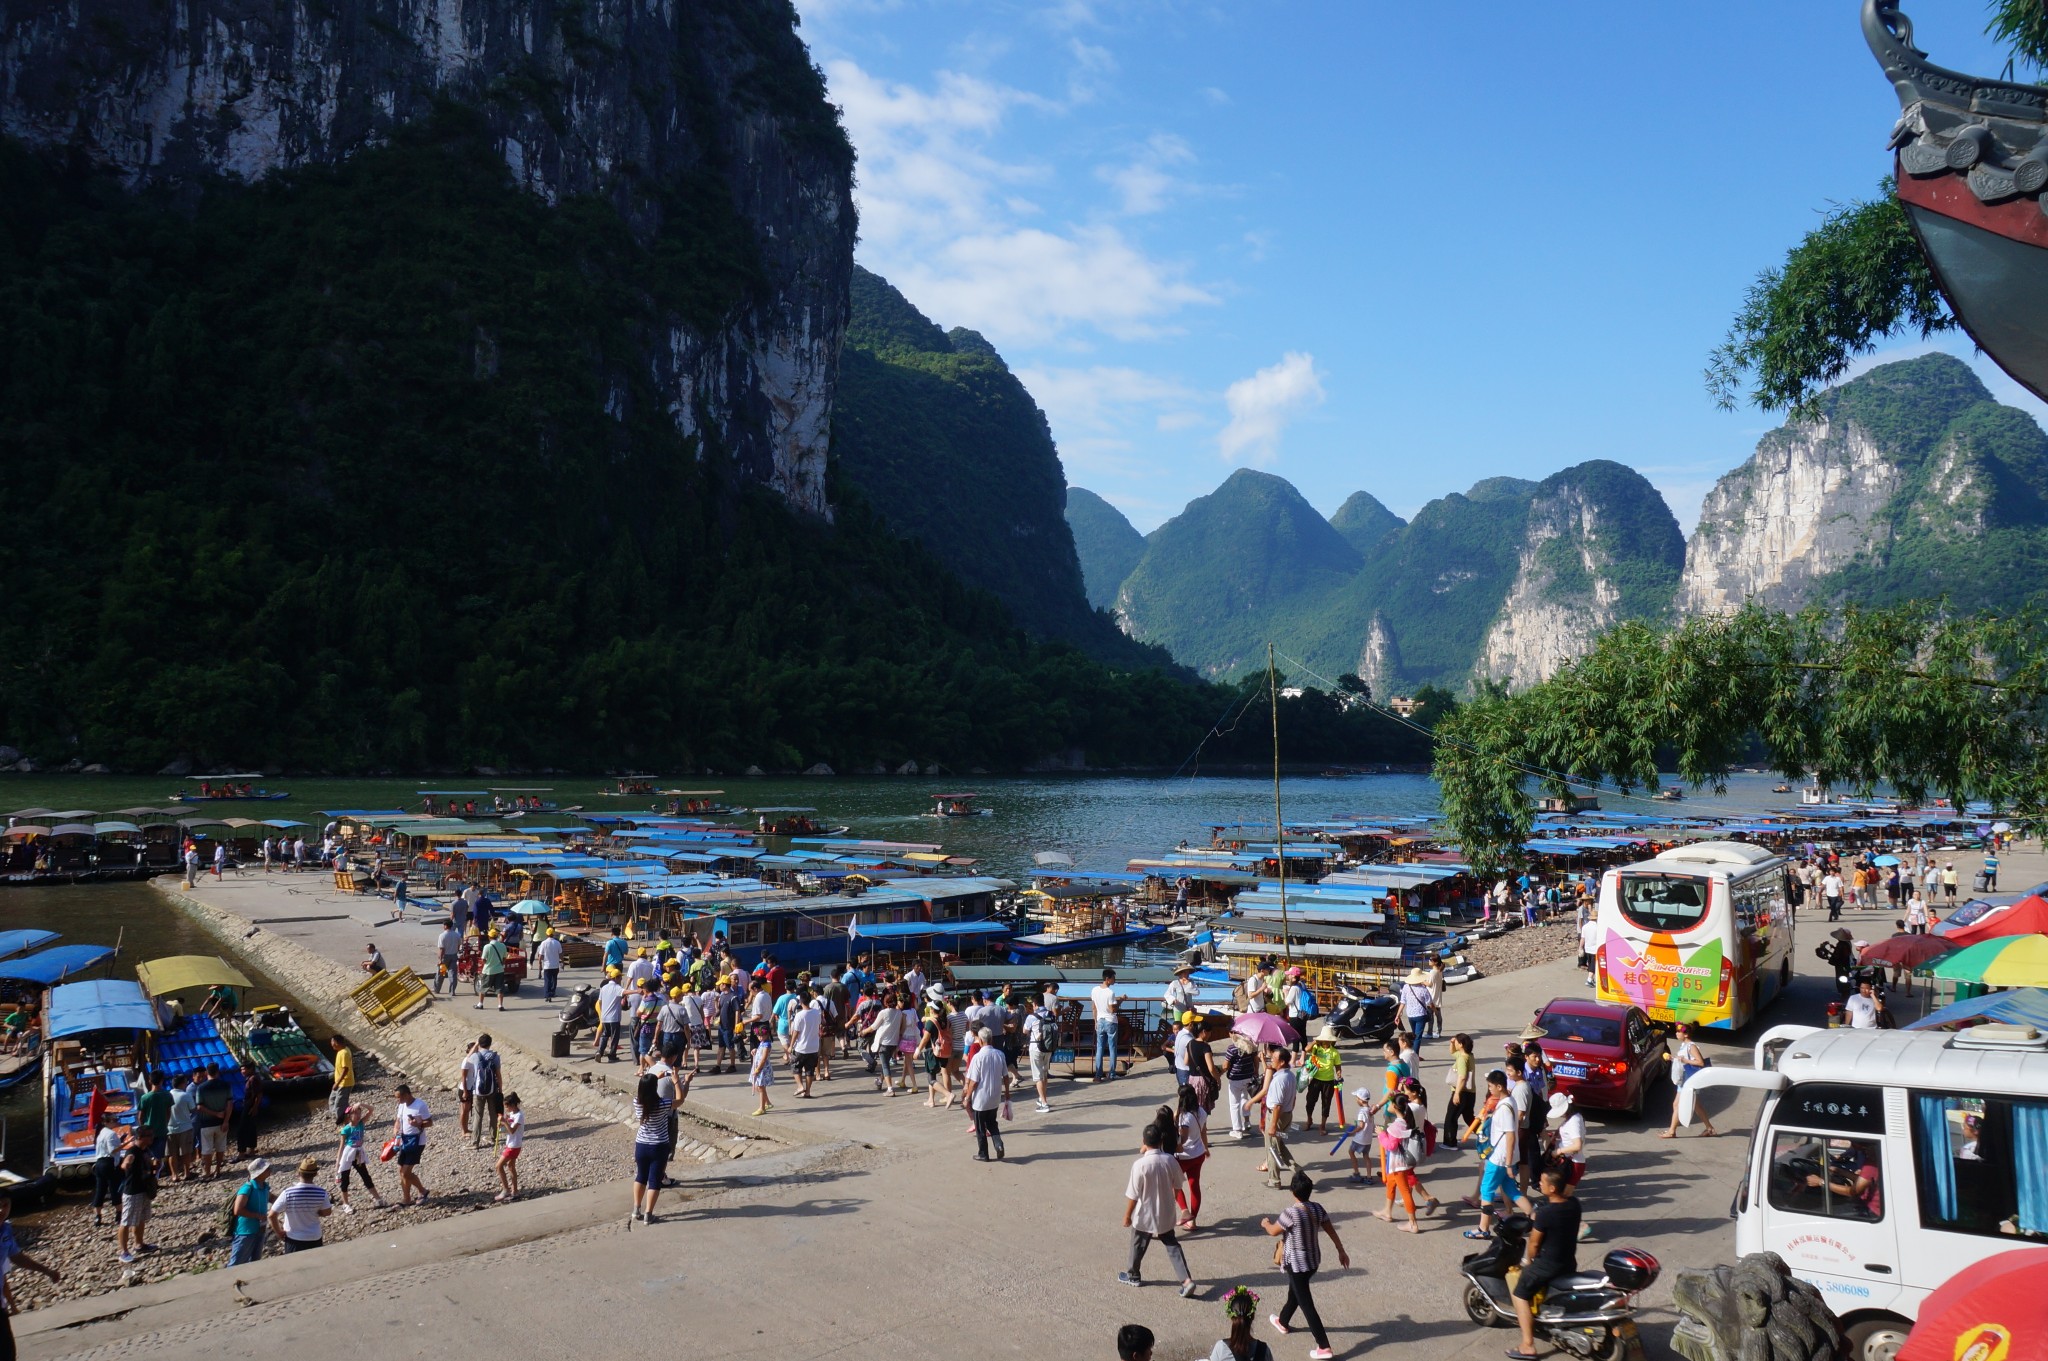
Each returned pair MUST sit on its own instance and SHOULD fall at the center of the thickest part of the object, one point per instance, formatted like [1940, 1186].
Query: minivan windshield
[1657, 902]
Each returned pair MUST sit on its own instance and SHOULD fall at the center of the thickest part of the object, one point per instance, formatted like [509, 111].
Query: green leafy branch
[1909, 697]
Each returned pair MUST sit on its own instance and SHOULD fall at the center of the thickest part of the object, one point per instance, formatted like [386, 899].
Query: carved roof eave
[1991, 133]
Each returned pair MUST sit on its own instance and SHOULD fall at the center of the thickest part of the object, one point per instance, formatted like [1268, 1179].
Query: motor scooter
[1588, 1314]
[1363, 1016]
[579, 1012]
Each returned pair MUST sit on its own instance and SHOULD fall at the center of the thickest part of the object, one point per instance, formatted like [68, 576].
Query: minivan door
[1826, 1195]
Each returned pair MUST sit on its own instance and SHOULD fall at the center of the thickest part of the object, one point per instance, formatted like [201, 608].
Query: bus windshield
[1663, 903]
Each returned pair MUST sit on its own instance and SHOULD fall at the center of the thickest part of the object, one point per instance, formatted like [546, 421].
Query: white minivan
[1885, 1161]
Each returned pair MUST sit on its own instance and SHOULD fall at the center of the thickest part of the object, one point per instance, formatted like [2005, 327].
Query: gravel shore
[1527, 945]
[561, 1153]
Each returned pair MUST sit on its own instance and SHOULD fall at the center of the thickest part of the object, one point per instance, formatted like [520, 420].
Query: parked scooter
[1368, 1017]
[1590, 1314]
[579, 1012]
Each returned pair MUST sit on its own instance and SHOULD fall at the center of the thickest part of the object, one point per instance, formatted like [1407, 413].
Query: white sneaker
[348, 1209]
[1042, 1108]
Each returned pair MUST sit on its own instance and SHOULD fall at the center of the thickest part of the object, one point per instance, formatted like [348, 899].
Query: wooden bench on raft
[389, 995]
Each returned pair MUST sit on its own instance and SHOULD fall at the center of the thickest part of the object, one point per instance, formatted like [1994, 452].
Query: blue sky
[1396, 247]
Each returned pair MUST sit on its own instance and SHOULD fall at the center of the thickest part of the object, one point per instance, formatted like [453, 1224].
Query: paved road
[883, 1237]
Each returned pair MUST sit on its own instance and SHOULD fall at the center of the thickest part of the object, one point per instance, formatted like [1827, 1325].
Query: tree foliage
[1858, 277]
[1911, 697]
[2022, 25]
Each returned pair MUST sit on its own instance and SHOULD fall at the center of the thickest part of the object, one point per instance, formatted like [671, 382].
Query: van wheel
[1877, 1339]
[1479, 1308]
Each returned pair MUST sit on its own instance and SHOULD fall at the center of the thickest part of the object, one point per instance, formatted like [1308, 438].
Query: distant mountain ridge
[1914, 482]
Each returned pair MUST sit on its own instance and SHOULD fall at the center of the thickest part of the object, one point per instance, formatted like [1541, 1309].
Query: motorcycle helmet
[1630, 1269]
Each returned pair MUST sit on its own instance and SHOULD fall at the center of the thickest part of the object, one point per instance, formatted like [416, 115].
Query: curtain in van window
[1937, 1159]
[2030, 1159]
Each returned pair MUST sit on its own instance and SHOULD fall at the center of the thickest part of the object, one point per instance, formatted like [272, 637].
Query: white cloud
[1093, 66]
[947, 221]
[1146, 184]
[1100, 414]
[1215, 95]
[1262, 405]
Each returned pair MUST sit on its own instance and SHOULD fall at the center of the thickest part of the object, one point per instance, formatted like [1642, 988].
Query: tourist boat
[1972, 172]
[513, 799]
[634, 786]
[239, 787]
[829, 928]
[1781, 789]
[1077, 917]
[1568, 803]
[26, 979]
[958, 806]
[1671, 794]
[99, 1035]
[791, 822]
[265, 1037]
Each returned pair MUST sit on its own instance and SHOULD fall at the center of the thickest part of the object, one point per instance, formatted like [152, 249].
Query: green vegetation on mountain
[937, 434]
[1213, 576]
[1364, 521]
[1969, 523]
[1253, 562]
[1108, 545]
[357, 468]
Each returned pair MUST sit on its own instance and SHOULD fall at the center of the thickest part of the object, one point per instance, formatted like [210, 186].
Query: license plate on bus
[1570, 1070]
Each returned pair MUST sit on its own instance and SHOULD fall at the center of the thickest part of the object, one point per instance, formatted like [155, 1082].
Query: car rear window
[1657, 902]
[1568, 1029]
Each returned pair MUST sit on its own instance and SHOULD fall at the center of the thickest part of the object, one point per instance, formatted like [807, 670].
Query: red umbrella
[1907, 951]
[1996, 1310]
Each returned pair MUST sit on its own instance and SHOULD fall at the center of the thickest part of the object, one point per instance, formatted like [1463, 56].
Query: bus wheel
[1877, 1339]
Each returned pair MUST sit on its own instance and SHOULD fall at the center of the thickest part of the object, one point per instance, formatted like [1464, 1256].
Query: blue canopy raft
[99, 1036]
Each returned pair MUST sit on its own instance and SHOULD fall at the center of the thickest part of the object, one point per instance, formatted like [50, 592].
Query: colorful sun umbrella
[1997, 1308]
[1264, 1028]
[1907, 951]
[2005, 962]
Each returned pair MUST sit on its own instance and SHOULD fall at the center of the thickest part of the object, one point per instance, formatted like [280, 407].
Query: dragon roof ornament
[1991, 133]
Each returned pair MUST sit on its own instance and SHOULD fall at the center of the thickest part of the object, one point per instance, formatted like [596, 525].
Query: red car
[1603, 1053]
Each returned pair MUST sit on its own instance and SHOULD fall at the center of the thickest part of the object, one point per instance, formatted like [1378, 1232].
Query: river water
[1101, 821]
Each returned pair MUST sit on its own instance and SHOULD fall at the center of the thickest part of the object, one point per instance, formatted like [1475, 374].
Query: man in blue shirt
[615, 951]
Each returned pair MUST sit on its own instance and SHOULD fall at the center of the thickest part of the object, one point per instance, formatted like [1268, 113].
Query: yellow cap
[684, 988]
[643, 952]
[1187, 1018]
[611, 971]
[675, 992]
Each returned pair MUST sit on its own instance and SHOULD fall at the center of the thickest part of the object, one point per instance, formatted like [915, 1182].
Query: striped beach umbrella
[2002, 962]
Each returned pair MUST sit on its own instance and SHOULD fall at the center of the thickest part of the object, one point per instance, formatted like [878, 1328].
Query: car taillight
[1619, 1069]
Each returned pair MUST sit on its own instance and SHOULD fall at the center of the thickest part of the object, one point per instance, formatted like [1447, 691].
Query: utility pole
[1279, 827]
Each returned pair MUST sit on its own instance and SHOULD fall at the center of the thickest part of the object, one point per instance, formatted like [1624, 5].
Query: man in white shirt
[639, 967]
[806, 1033]
[1589, 946]
[1862, 1008]
[1104, 998]
[1149, 1211]
[988, 1077]
[913, 982]
[1041, 1039]
[410, 1129]
[611, 1007]
[1503, 1132]
[548, 954]
[1831, 889]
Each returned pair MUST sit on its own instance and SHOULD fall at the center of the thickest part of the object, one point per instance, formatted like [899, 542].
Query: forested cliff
[386, 385]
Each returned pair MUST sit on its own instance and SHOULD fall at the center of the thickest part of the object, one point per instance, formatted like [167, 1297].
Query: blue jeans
[247, 1248]
[547, 982]
[1105, 1043]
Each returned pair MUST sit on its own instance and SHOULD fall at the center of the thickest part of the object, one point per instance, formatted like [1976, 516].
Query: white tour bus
[1885, 1161]
[1701, 934]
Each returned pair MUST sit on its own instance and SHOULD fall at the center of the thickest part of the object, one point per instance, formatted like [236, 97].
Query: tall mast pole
[1279, 827]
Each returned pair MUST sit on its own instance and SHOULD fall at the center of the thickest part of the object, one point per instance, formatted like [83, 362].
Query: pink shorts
[509, 1155]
